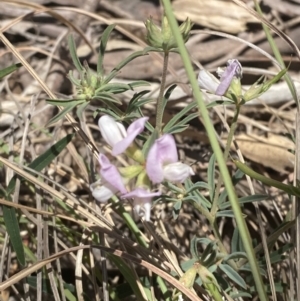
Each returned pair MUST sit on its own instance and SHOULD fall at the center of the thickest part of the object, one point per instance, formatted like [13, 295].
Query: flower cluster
[160, 165]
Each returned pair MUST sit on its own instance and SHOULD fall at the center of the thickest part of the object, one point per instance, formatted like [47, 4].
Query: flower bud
[153, 37]
[233, 70]
[253, 92]
[207, 276]
[163, 38]
[257, 89]
[188, 278]
[236, 87]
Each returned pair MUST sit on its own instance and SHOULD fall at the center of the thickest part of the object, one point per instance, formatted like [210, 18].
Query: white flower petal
[207, 81]
[102, 193]
[111, 131]
[177, 172]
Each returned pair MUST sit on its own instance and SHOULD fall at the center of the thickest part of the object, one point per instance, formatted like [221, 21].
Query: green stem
[160, 100]
[137, 233]
[214, 292]
[243, 229]
[214, 208]
[215, 230]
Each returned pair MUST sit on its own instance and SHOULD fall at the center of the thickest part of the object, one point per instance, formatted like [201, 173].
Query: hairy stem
[160, 100]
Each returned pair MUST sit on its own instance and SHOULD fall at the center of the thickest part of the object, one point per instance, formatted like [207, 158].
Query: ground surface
[39, 35]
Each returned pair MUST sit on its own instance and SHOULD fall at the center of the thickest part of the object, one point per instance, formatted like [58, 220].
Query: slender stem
[214, 208]
[137, 233]
[213, 290]
[160, 100]
[243, 229]
[214, 226]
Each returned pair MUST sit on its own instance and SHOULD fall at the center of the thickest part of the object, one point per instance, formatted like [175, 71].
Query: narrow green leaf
[103, 43]
[182, 124]
[176, 209]
[177, 129]
[128, 274]
[245, 200]
[292, 190]
[219, 103]
[194, 247]
[174, 188]
[114, 72]
[138, 83]
[225, 213]
[114, 88]
[61, 114]
[186, 265]
[233, 275]
[235, 179]
[80, 110]
[135, 101]
[222, 198]
[178, 116]
[167, 96]
[235, 241]
[240, 295]
[188, 118]
[200, 199]
[13, 230]
[73, 53]
[211, 176]
[9, 70]
[246, 268]
[64, 102]
[73, 80]
[107, 98]
[196, 186]
[210, 259]
[235, 255]
[207, 252]
[50, 154]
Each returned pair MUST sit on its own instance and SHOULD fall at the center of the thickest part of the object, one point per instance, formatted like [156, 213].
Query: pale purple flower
[210, 83]
[142, 199]
[162, 162]
[233, 69]
[110, 174]
[115, 134]
[110, 182]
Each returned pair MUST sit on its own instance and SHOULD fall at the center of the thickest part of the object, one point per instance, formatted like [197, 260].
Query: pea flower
[110, 182]
[162, 162]
[142, 201]
[233, 69]
[209, 82]
[115, 134]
